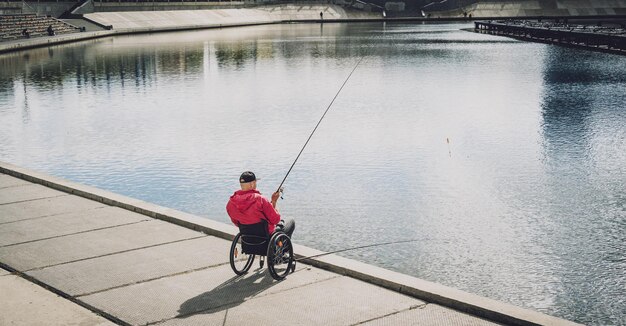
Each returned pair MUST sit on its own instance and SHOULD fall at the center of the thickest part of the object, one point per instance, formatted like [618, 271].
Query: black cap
[247, 177]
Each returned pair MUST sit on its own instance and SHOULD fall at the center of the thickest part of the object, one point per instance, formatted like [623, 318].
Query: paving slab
[216, 318]
[9, 181]
[187, 294]
[70, 248]
[27, 192]
[4, 272]
[24, 303]
[337, 301]
[89, 276]
[65, 224]
[430, 315]
[45, 207]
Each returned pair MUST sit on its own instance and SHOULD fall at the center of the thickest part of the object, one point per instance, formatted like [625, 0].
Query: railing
[562, 27]
[600, 38]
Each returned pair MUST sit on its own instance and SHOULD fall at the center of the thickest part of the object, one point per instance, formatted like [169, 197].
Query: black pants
[287, 226]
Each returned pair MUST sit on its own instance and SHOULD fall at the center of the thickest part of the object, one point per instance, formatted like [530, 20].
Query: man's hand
[275, 196]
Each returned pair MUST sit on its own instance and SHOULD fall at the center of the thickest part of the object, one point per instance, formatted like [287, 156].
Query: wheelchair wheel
[239, 262]
[280, 256]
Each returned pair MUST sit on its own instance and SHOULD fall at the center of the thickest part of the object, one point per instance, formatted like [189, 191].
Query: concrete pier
[597, 38]
[135, 263]
[532, 8]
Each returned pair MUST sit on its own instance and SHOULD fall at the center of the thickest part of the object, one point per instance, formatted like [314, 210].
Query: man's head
[247, 180]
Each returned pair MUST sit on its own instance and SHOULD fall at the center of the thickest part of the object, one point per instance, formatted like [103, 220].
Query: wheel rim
[280, 256]
[239, 261]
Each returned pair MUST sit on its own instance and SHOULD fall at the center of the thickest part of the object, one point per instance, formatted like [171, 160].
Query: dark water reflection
[583, 127]
[526, 204]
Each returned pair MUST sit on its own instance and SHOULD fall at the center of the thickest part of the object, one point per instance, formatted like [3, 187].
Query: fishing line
[360, 247]
[318, 123]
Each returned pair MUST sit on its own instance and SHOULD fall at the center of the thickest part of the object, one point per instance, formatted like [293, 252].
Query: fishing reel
[281, 190]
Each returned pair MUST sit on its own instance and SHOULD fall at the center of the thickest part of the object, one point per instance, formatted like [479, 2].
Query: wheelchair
[254, 240]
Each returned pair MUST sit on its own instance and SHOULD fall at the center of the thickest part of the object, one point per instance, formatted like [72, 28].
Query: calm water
[526, 204]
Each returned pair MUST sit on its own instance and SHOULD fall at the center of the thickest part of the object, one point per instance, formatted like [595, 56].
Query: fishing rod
[360, 247]
[318, 123]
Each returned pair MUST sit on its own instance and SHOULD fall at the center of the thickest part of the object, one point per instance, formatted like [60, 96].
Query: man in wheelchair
[248, 206]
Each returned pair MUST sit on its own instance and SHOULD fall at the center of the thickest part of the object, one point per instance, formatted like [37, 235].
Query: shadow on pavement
[231, 293]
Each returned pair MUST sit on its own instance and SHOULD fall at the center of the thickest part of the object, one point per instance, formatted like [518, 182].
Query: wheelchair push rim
[239, 261]
[280, 258]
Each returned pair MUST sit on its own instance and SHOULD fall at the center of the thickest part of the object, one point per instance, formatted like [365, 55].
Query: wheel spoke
[240, 261]
[281, 256]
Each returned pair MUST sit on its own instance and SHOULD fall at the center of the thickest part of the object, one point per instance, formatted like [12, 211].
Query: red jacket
[249, 207]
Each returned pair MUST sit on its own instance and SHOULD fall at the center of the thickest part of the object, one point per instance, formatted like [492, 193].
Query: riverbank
[136, 263]
[136, 22]
[190, 19]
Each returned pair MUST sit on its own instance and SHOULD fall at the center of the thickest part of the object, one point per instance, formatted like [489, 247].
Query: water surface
[505, 159]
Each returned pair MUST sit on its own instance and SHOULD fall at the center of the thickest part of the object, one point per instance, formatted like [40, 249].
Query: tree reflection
[93, 65]
[137, 59]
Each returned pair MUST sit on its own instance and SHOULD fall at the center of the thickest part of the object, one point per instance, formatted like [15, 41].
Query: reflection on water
[525, 205]
[584, 144]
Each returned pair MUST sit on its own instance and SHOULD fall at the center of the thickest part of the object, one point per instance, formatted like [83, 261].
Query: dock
[596, 38]
[74, 254]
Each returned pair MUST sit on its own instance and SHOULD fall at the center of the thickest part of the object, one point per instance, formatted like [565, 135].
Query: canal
[505, 159]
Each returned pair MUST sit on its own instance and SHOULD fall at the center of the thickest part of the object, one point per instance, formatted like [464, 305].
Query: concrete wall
[537, 8]
[48, 8]
[7, 8]
[150, 20]
[150, 6]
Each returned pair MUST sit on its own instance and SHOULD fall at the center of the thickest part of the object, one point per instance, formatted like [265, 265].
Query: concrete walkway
[24, 303]
[79, 22]
[134, 269]
[143, 271]
[35, 42]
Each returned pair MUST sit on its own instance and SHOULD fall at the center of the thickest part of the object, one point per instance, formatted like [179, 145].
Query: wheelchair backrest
[254, 238]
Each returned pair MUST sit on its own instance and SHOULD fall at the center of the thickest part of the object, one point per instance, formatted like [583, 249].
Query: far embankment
[131, 22]
[190, 19]
[532, 8]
